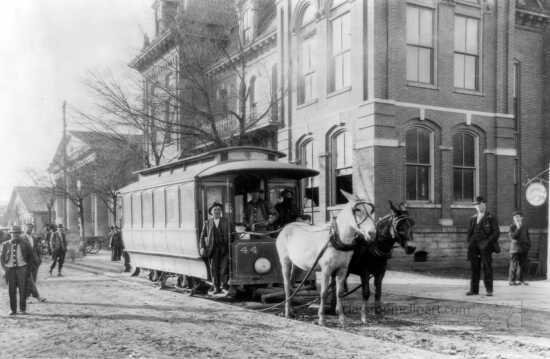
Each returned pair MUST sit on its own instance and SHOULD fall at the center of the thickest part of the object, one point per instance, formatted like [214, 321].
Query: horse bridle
[369, 215]
[395, 221]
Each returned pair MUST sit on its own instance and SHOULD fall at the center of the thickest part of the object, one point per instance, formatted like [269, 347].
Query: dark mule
[371, 258]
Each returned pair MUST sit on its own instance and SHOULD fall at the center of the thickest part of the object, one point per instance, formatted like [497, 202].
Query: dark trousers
[126, 257]
[518, 266]
[31, 283]
[116, 253]
[58, 256]
[219, 263]
[17, 278]
[481, 260]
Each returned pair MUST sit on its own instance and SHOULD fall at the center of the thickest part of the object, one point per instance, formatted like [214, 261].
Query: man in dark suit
[519, 247]
[17, 257]
[483, 234]
[59, 248]
[33, 270]
[214, 246]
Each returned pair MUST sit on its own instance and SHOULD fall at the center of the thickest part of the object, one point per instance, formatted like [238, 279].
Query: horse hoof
[342, 322]
[364, 320]
[321, 322]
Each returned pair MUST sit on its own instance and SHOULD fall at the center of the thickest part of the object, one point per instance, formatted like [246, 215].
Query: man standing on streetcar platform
[214, 246]
[483, 234]
[259, 215]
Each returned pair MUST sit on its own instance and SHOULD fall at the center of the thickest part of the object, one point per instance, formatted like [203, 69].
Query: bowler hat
[517, 212]
[213, 205]
[479, 200]
[15, 229]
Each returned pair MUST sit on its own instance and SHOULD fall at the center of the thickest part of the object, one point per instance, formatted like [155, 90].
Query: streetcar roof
[205, 155]
[280, 169]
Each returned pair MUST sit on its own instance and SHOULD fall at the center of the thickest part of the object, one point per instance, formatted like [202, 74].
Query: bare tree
[203, 92]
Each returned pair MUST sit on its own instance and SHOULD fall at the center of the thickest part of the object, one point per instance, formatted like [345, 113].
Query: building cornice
[531, 19]
[155, 50]
[253, 48]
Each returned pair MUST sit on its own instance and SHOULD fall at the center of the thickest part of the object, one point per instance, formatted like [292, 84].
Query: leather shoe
[471, 293]
[13, 313]
[489, 294]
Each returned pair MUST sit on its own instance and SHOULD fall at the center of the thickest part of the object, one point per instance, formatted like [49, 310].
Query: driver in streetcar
[259, 215]
[214, 246]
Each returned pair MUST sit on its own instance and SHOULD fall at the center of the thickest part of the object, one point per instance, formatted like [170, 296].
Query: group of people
[259, 215]
[21, 258]
[483, 235]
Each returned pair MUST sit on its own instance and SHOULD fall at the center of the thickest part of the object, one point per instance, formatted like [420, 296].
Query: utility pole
[65, 179]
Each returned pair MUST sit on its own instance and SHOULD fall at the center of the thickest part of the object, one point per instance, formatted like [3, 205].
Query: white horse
[300, 244]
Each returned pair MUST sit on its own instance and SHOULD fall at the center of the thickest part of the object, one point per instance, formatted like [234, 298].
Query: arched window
[464, 166]
[340, 52]
[341, 168]
[419, 164]
[306, 56]
[308, 158]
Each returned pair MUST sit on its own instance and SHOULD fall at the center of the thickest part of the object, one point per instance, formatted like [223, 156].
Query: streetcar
[164, 211]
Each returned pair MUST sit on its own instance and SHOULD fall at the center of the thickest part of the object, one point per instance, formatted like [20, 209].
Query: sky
[46, 50]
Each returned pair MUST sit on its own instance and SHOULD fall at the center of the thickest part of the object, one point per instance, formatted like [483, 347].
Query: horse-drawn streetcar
[164, 211]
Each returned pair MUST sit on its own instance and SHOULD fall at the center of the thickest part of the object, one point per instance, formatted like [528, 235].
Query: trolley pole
[65, 178]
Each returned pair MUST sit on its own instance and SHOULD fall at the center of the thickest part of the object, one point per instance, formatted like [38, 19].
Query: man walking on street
[483, 233]
[59, 248]
[519, 247]
[33, 270]
[16, 259]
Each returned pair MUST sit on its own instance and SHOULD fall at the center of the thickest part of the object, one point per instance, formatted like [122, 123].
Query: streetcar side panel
[161, 233]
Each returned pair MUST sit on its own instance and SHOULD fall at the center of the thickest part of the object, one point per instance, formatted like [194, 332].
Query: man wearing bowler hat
[214, 246]
[483, 233]
[17, 257]
[519, 247]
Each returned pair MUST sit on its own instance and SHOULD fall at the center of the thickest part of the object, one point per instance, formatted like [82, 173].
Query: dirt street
[113, 315]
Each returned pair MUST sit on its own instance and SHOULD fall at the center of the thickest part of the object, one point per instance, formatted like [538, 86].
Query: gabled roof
[92, 141]
[34, 198]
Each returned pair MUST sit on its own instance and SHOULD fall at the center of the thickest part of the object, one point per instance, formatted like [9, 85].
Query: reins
[333, 239]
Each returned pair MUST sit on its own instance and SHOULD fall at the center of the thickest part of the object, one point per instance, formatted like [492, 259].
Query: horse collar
[336, 242]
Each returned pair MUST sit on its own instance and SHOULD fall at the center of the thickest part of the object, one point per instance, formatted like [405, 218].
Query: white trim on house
[502, 151]
[440, 108]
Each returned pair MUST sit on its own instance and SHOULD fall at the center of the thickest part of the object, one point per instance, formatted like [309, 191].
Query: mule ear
[402, 207]
[350, 197]
[392, 207]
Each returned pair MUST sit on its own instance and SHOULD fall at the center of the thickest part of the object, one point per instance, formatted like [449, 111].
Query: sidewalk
[535, 296]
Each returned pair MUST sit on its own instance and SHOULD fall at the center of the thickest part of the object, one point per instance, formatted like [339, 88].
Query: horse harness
[334, 235]
[395, 221]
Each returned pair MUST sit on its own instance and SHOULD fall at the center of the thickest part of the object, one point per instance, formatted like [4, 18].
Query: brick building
[429, 102]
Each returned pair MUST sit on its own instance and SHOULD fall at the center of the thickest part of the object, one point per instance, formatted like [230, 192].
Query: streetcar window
[147, 203]
[159, 208]
[172, 207]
